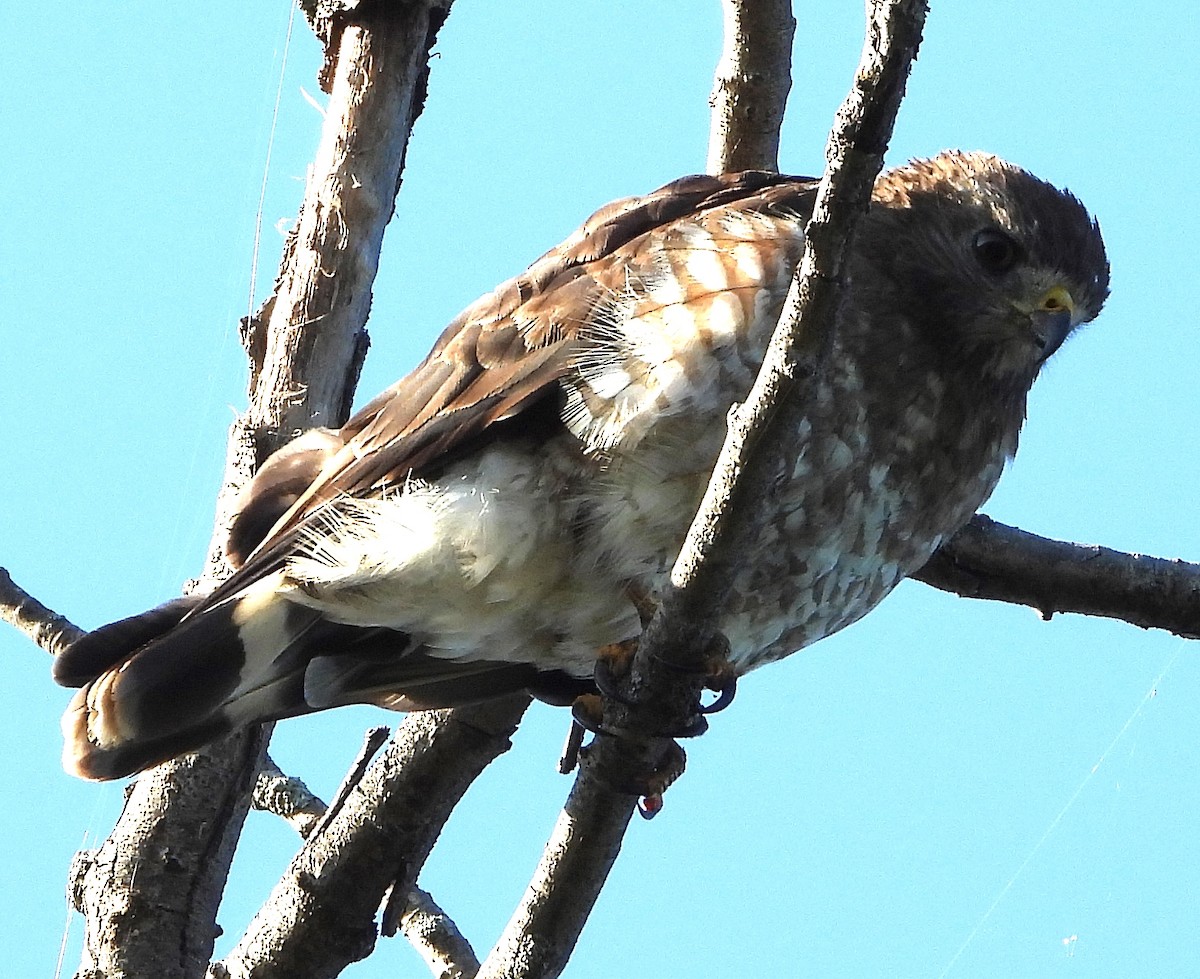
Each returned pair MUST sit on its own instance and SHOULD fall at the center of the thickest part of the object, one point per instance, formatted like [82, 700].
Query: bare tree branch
[436, 938]
[751, 85]
[427, 927]
[990, 560]
[150, 892]
[665, 678]
[287, 797]
[540, 936]
[51, 631]
[321, 915]
[745, 472]
[158, 916]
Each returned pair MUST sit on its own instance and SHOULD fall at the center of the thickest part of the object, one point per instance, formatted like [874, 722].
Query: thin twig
[288, 798]
[373, 740]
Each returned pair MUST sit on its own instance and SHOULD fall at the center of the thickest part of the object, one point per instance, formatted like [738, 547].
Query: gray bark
[751, 85]
[150, 892]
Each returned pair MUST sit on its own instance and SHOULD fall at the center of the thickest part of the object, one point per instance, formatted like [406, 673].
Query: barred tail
[169, 680]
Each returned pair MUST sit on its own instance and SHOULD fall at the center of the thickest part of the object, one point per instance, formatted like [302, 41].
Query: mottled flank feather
[481, 526]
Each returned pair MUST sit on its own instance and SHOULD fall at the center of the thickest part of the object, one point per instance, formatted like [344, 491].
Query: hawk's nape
[479, 527]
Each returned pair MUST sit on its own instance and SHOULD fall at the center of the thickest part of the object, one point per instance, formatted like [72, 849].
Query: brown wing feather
[501, 355]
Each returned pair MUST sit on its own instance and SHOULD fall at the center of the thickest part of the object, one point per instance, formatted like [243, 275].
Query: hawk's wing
[500, 357]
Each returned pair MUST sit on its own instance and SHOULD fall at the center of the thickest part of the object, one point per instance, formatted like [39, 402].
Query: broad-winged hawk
[480, 526]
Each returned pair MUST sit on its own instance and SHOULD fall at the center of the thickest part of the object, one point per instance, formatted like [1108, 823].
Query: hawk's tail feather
[159, 684]
[172, 679]
[107, 647]
[417, 681]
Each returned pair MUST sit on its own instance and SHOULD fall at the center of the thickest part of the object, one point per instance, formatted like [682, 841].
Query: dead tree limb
[575, 863]
[51, 631]
[321, 915]
[427, 927]
[436, 938]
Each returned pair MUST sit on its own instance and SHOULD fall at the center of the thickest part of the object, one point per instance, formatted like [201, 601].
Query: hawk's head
[996, 266]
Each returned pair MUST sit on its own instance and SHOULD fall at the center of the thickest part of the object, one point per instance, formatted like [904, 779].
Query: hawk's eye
[996, 251]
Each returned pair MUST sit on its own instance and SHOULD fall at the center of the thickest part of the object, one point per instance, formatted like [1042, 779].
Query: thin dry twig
[288, 798]
[373, 740]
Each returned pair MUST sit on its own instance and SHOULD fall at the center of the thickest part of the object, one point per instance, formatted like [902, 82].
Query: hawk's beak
[1052, 320]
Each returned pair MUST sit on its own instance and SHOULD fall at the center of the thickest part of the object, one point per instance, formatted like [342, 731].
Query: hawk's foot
[614, 660]
[642, 602]
[648, 787]
[587, 712]
[613, 663]
[587, 715]
[717, 672]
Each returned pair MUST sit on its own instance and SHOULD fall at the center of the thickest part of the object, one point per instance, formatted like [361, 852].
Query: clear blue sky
[946, 789]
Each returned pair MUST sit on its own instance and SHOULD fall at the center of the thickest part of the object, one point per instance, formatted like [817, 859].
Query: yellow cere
[1056, 299]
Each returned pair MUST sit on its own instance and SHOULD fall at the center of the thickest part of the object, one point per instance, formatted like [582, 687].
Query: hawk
[483, 525]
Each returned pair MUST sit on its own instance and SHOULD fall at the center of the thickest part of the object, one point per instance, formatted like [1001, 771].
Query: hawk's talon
[650, 790]
[612, 663]
[722, 681]
[650, 806]
[588, 713]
